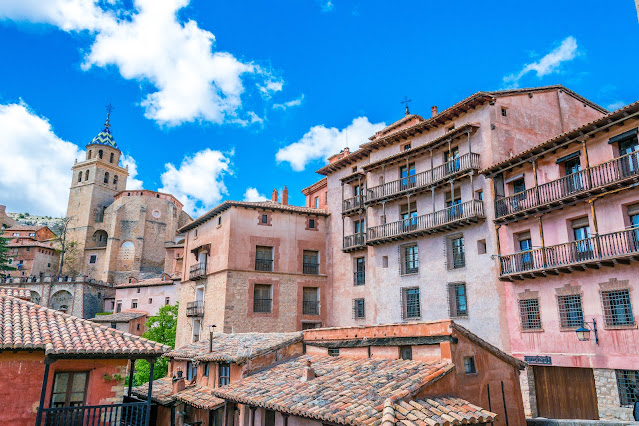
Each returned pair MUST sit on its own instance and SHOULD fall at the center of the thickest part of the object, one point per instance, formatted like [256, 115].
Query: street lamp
[583, 332]
[211, 329]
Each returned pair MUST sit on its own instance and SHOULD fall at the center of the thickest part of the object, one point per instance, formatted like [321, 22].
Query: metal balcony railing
[197, 272]
[454, 216]
[567, 188]
[359, 278]
[264, 265]
[354, 241]
[310, 268]
[195, 309]
[425, 179]
[353, 203]
[132, 414]
[262, 305]
[564, 257]
[310, 307]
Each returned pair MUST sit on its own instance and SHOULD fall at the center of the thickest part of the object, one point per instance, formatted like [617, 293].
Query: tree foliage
[160, 328]
[4, 257]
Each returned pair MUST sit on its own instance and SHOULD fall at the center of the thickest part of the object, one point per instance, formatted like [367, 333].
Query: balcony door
[69, 389]
[626, 147]
[407, 176]
[454, 204]
[452, 161]
[525, 246]
[408, 213]
[572, 167]
[583, 243]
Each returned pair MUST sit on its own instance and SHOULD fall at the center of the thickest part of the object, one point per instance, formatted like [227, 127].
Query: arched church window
[89, 155]
[86, 175]
[126, 256]
[100, 238]
[100, 154]
[111, 157]
[80, 177]
[106, 177]
[115, 181]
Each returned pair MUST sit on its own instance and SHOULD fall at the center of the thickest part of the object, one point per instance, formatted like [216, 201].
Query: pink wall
[156, 293]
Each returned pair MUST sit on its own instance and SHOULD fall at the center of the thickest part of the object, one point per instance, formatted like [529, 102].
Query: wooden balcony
[591, 253]
[354, 242]
[424, 180]
[569, 189]
[197, 272]
[443, 220]
[133, 413]
[195, 309]
[352, 205]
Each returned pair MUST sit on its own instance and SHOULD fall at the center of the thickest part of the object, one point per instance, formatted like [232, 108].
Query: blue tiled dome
[104, 138]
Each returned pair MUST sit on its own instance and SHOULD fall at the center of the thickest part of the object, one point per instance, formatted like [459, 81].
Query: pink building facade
[567, 218]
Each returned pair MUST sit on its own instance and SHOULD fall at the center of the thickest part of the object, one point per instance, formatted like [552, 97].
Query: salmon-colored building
[415, 237]
[33, 251]
[254, 266]
[567, 218]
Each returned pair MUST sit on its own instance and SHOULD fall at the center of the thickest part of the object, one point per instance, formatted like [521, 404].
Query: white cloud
[132, 182]
[199, 180]
[566, 51]
[187, 79]
[252, 194]
[616, 105]
[320, 142]
[292, 103]
[35, 164]
[327, 5]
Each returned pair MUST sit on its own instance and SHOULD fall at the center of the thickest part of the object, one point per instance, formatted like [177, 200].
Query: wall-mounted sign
[538, 359]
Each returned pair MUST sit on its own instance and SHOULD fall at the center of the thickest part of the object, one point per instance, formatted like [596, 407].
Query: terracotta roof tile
[199, 397]
[29, 326]
[119, 317]
[442, 411]
[20, 293]
[161, 392]
[346, 390]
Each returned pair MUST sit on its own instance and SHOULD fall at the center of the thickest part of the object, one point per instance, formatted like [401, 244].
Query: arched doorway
[61, 301]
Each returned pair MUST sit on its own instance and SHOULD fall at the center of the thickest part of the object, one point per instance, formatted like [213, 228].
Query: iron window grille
[617, 308]
[310, 303]
[264, 259]
[458, 252]
[457, 300]
[411, 305]
[628, 385]
[411, 259]
[570, 311]
[529, 314]
[469, 365]
[262, 299]
[333, 351]
[358, 309]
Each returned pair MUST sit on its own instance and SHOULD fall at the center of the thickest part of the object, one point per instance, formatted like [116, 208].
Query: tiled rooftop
[443, 411]
[20, 293]
[199, 397]
[29, 326]
[119, 317]
[345, 391]
[161, 392]
[235, 347]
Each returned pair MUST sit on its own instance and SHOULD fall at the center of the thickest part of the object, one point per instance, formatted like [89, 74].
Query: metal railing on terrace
[354, 241]
[129, 414]
[353, 203]
[197, 272]
[195, 309]
[310, 307]
[604, 249]
[451, 217]
[567, 188]
[423, 180]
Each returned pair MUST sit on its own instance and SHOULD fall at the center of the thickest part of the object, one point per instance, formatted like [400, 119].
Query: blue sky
[228, 100]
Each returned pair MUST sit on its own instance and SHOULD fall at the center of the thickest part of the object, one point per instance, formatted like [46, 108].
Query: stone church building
[120, 234]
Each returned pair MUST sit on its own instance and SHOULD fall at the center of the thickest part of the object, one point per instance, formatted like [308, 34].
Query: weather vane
[109, 108]
[406, 101]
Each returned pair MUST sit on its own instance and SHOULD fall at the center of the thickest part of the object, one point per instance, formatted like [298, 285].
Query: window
[359, 226]
[451, 158]
[384, 261]
[519, 186]
[106, 177]
[457, 302]
[479, 195]
[481, 246]
[100, 154]
[225, 374]
[504, 113]
[269, 417]
[264, 258]
[408, 213]
[90, 154]
[455, 208]
[317, 202]
[138, 289]
[69, 389]
[469, 365]
[111, 158]
[93, 258]
[451, 128]
[529, 314]
[265, 218]
[79, 177]
[617, 308]
[360, 271]
[86, 175]
[219, 220]
[310, 262]
[406, 147]
[134, 303]
[114, 325]
[197, 326]
[137, 327]
[118, 307]
[310, 301]
[628, 385]
[457, 256]
[358, 309]
[167, 300]
[410, 259]
[570, 311]
[407, 176]
[311, 325]
[406, 352]
[115, 180]
[262, 298]
[191, 371]
[583, 243]
[410, 303]
[525, 245]
[333, 351]
[16, 234]
[311, 223]
[150, 300]
[206, 370]
[354, 169]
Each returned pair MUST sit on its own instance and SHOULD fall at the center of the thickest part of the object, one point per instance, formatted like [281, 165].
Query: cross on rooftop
[406, 101]
[109, 108]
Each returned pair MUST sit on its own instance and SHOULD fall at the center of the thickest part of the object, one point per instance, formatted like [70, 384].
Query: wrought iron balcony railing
[264, 265]
[423, 180]
[354, 242]
[197, 272]
[310, 307]
[569, 188]
[451, 217]
[132, 414]
[195, 309]
[603, 249]
[310, 268]
[359, 278]
[353, 204]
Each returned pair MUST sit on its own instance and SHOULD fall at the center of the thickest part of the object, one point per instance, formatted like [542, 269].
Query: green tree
[4, 257]
[159, 328]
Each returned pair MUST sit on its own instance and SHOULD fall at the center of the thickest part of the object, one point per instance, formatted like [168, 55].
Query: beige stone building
[254, 266]
[120, 234]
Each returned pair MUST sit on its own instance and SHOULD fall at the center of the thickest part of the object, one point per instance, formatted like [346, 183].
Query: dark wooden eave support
[131, 371]
[43, 392]
[147, 418]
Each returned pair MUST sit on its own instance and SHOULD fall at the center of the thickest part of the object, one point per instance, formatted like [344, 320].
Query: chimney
[3, 210]
[346, 151]
[274, 197]
[433, 109]
[178, 383]
[285, 196]
[307, 372]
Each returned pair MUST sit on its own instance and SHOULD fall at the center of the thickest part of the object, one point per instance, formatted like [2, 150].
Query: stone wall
[527, 383]
[608, 396]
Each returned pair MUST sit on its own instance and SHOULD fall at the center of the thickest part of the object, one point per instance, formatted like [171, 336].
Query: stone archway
[61, 301]
[35, 297]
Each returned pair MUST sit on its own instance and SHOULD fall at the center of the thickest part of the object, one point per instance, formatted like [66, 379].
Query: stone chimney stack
[308, 373]
[346, 151]
[433, 109]
[274, 197]
[3, 210]
[285, 196]
[178, 383]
